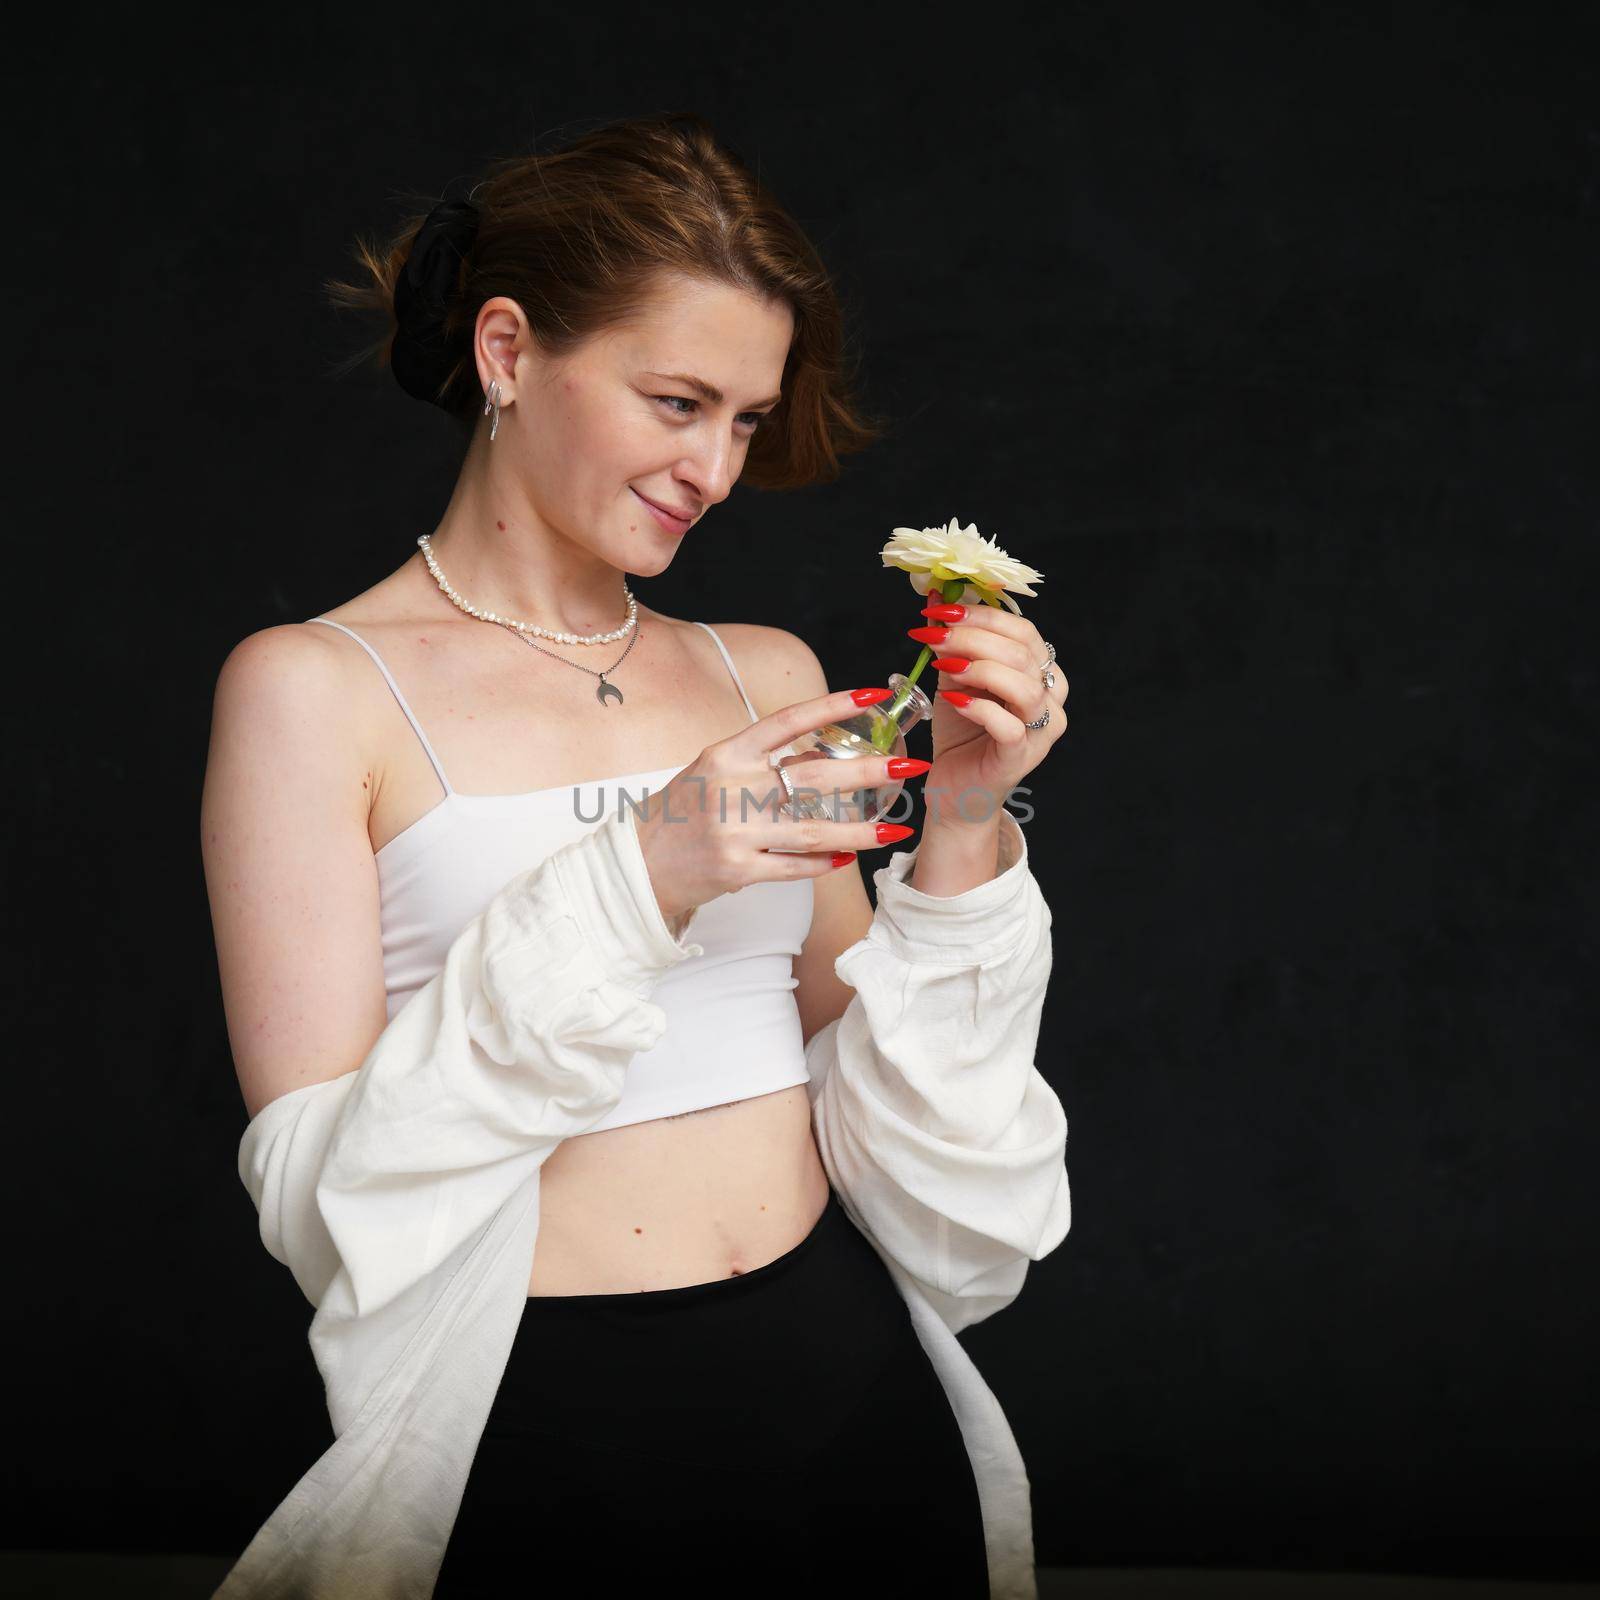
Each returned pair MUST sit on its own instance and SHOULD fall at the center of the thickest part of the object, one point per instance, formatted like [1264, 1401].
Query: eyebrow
[709, 391]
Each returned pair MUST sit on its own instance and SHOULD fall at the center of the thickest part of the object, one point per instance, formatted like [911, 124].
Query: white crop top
[733, 1028]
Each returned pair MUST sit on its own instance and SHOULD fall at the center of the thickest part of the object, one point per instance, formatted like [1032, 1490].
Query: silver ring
[1047, 678]
[788, 785]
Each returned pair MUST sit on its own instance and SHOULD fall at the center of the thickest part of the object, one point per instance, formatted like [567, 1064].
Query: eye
[757, 417]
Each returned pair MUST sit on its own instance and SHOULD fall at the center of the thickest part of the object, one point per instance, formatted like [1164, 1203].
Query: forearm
[955, 857]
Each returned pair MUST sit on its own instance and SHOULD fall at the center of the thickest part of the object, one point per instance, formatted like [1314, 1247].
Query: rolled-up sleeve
[932, 1120]
[372, 1186]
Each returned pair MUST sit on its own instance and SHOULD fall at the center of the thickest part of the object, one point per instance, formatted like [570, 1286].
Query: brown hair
[577, 236]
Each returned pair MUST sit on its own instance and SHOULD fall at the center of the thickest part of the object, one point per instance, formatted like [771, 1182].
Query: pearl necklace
[529, 627]
[605, 692]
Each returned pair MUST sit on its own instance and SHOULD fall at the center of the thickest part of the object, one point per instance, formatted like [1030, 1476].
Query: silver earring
[493, 399]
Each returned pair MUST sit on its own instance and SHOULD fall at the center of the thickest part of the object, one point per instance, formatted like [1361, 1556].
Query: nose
[707, 471]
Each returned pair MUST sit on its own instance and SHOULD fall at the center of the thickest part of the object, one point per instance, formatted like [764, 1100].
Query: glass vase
[878, 730]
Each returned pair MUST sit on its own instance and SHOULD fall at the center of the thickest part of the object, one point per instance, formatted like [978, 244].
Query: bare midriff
[678, 1200]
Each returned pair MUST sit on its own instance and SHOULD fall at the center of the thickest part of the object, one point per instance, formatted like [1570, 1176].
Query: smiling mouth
[666, 511]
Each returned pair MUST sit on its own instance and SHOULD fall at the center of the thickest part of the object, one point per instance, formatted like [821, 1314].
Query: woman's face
[610, 427]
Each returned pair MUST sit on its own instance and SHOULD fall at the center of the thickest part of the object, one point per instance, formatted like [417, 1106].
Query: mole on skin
[737, 1272]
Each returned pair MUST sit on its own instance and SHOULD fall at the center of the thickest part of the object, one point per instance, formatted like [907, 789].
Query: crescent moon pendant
[607, 691]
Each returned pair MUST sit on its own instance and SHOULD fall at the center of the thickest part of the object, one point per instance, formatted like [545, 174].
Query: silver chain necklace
[606, 692]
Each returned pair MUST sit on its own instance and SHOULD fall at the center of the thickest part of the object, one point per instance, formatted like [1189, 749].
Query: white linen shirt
[404, 1196]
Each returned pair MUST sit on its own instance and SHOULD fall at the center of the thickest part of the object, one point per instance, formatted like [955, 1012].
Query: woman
[715, 1372]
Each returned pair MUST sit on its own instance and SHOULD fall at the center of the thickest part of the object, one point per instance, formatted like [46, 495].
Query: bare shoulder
[778, 667]
[289, 704]
[290, 669]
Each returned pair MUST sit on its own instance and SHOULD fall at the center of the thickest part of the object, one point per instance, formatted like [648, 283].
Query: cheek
[597, 443]
[632, 444]
[577, 435]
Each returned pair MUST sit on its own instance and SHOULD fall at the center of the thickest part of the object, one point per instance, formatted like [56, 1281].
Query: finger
[997, 618]
[825, 774]
[979, 640]
[780, 866]
[1002, 725]
[819, 839]
[783, 726]
[1019, 691]
[993, 619]
[792, 848]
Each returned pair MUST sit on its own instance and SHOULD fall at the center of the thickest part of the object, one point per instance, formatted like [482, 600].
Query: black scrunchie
[422, 293]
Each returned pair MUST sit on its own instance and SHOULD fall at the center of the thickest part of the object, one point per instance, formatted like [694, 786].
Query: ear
[503, 347]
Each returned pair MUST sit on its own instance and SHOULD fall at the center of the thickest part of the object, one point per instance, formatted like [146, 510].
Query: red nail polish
[956, 697]
[893, 832]
[840, 857]
[907, 766]
[946, 612]
[929, 635]
[952, 663]
[869, 697]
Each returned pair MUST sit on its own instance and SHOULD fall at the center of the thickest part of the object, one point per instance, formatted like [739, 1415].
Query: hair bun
[418, 356]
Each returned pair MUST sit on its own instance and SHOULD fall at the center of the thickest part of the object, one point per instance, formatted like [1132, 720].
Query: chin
[646, 558]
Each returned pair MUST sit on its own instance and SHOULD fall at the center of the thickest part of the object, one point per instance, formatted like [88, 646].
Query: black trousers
[781, 1432]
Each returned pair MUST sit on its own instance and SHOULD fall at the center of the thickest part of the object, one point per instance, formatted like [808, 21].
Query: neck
[500, 555]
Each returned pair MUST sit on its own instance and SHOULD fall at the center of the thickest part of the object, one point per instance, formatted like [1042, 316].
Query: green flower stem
[883, 732]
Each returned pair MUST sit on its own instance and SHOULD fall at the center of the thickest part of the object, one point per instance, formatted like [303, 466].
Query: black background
[1268, 332]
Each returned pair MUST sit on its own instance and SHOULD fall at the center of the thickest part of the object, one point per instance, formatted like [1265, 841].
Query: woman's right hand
[698, 845]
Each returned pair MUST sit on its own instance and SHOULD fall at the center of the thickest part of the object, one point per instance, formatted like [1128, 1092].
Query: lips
[671, 511]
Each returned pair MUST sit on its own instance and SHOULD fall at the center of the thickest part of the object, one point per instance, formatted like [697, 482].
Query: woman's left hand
[981, 751]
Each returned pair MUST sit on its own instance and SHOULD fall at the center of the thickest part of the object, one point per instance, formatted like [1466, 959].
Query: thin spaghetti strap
[416, 726]
[754, 717]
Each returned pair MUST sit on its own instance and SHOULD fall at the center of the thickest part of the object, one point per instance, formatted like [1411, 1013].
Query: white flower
[932, 555]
